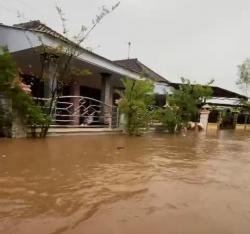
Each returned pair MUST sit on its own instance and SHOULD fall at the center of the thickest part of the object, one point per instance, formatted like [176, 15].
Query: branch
[63, 19]
[99, 18]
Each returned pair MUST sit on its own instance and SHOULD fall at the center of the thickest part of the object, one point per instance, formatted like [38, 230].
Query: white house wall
[17, 39]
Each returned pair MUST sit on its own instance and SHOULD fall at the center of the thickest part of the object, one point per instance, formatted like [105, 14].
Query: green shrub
[170, 119]
[137, 98]
[31, 115]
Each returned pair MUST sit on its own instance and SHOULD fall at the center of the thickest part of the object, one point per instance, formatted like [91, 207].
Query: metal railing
[80, 111]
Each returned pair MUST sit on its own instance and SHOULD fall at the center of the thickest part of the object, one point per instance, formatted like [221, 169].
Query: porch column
[75, 91]
[50, 81]
[106, 97]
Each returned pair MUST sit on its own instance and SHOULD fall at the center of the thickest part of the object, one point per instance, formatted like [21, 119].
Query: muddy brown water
[117, 185]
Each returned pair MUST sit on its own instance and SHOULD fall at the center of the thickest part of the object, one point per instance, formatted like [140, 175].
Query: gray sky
[196, 39]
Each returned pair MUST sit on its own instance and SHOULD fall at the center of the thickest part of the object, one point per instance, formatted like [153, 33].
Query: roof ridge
[136, 65]
[151, 70]
[130, 59]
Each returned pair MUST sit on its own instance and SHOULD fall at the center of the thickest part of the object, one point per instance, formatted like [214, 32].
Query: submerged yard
[116, 184]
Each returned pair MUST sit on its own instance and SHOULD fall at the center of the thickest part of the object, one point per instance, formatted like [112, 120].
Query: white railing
[79, 110]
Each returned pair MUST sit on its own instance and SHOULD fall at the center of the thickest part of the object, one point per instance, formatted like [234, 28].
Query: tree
[244, 76]
[135, 105]
[189, 98]
[62, 56]
[183, 104]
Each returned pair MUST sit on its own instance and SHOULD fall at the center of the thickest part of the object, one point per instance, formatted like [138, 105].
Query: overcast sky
[196, 39]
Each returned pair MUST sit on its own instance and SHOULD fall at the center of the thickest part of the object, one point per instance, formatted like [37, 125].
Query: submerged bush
[170, 119]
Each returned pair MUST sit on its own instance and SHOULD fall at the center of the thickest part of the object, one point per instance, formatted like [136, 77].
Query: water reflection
[58, 184]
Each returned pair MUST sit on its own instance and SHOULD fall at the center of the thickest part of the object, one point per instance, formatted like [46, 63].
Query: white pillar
[106, 97]
[75, 91]
[106, 89]
[204, 114]
[50, 81]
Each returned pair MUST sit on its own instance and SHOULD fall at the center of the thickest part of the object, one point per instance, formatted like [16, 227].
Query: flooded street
[117, 184]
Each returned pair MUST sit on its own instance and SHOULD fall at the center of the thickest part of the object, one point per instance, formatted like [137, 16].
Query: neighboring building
[227, 102]
[162, 85]
[221, 97]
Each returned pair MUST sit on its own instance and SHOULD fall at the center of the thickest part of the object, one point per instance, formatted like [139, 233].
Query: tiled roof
[40, 27]
[37, 26]
[136, 66]
[133, 65]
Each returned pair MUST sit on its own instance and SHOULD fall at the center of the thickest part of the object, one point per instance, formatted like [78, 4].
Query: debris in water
[120, 147]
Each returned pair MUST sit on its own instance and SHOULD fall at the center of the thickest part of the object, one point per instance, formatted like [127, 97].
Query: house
[88, 100]
[87, 97]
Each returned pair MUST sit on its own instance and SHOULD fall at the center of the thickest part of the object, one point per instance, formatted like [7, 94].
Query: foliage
[30, 113]
[169, 117]
[244, 76]
[183, 105]
[189, 98]
[135, 103]
[247, 106]
[61, 57]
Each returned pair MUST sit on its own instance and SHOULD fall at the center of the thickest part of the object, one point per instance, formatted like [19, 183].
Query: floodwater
[194, 184]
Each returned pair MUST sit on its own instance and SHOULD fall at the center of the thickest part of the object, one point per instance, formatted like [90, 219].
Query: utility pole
[129, 49]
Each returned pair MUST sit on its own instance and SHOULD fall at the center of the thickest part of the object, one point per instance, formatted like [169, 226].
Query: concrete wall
[13, 126]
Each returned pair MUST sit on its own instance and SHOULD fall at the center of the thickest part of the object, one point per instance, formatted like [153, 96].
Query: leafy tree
[135, 104]
[183, 104]
[189, 98]
[244, 76]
